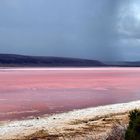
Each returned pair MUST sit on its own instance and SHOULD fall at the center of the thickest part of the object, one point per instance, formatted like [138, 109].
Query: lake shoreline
[69, 123]
[29, 92]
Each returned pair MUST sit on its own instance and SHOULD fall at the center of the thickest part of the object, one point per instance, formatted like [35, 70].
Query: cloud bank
[95, 29]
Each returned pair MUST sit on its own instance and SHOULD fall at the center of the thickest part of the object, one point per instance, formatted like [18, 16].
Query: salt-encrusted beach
[74, 123]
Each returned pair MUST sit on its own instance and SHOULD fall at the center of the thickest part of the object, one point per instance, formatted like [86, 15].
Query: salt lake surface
[32, 92]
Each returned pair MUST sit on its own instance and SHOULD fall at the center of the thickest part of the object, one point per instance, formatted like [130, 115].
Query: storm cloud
[95, 29]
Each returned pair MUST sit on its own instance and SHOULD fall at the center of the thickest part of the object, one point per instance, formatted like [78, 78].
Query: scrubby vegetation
[133, 130]
[117, 132]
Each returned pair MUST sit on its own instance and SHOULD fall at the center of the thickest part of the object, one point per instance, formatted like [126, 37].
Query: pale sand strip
[62, 121]
[70, 69]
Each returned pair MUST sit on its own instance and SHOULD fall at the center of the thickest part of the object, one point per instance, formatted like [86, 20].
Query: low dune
[91, 122]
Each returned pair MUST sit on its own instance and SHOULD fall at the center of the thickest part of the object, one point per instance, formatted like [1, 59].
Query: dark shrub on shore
[133, 130]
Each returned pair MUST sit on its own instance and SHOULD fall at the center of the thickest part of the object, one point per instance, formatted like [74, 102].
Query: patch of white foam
[18, 112]
[3, 99]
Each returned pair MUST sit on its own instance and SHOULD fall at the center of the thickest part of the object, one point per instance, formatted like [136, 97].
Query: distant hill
[124, 64]
[14, 60]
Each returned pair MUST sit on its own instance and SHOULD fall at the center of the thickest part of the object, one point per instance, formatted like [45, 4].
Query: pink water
[32, 92]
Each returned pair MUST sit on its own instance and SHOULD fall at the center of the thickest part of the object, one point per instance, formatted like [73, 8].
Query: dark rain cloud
[96, 29]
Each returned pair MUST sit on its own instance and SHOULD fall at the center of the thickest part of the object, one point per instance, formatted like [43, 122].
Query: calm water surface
[29, 92]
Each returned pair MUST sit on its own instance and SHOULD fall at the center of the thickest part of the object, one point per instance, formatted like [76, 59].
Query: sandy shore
[71, 124]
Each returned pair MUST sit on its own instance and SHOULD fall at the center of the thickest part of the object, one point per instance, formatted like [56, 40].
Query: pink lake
[32, 92]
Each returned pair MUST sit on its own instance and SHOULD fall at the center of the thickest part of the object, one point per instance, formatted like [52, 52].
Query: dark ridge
[125, 64]
[14, 60]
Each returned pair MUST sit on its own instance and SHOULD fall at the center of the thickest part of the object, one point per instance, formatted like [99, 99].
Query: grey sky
[94, 29]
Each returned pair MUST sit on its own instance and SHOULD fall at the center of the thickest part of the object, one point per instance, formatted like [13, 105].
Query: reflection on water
[35, 92]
